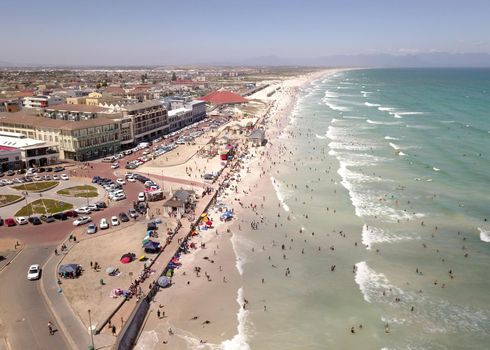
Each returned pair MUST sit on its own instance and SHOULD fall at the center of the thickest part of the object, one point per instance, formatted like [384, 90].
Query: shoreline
[185, 301]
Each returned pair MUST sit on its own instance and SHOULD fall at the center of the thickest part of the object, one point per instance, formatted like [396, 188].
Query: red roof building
[223, 97]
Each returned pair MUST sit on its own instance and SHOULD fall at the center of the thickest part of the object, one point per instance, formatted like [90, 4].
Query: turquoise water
[391, 169]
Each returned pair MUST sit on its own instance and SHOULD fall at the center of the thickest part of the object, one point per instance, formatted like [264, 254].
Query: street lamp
[90, 329]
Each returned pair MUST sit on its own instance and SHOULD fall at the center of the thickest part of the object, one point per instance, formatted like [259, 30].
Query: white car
[56, 177]
[103, 224]
[132, 213]
[141, 197]
[82, 220]
[83, 210]
[131, 179]
[34, 272]
[119, 197]
[21, 220]
[93, 207]
[121, 181]
[115, 166]
[114, 221]
[64, 177]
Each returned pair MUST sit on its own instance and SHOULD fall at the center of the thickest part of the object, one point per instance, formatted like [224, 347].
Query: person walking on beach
[51, 328]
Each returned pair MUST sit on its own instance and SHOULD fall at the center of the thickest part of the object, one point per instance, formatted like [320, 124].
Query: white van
[141, 197]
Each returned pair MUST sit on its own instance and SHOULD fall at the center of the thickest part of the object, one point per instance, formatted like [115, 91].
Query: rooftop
[22, 118]
[77, 108]
[223, 97]
[143, 105]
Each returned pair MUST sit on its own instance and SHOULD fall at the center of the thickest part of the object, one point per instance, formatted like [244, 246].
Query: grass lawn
[36, 186]
[6, 199]
[44, 206]
[85, 191]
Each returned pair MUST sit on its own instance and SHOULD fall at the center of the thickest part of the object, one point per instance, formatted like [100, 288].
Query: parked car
[60, 216]
[71, 213]
[132, 213]
[114, 166]
[131, 179]
[34, 272]
[9, 222]
[114, 221]
[10, 172]
[91, 228]
[56, 177]
[64, 177]
[47, 218]
[101, 205]
[93, 207]
[103, 224]
[83, 210]
[21, 220]
[34, 220]
[82, 220]
[123, 217]
[121, 181]
[141, 197]
[58, 169]
[119, 197]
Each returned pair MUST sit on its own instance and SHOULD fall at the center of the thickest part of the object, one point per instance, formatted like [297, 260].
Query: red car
[71, 213]
[10, 222]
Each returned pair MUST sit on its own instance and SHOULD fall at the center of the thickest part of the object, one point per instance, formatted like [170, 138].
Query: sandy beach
[193, 300]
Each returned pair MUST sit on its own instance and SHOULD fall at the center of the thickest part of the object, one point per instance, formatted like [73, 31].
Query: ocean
[375, 203]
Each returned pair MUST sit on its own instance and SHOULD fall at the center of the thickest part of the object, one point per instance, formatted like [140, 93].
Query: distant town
[47, 115]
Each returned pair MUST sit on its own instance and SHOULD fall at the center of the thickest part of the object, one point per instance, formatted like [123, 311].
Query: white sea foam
[320, 137]
[366, 93]
[386, 109]
[484, 235]
[352, 117]
[330, 94]
[410, 113]
[391, 138]
[433, 314]
[401, 153]
[280, 195]
[392, 145]
[436, 169]
[374, 235]
[381, 123]
[239, 341]
[397, 115]
[334, 120]
[335, 107]
[371, 104]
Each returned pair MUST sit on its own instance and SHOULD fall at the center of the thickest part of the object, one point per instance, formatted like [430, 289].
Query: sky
[152, 32]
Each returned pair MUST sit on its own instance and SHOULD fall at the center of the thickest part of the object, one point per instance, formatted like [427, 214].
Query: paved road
[24, 312]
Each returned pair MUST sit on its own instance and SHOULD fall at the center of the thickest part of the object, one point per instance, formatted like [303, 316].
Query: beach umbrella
[209, 222]
[163, 281]
[110, 270]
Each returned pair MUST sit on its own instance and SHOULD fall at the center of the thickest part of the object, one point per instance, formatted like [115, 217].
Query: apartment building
[74, 112]
[143, 121]
[192, 112]
[78, 140]
[41, 101]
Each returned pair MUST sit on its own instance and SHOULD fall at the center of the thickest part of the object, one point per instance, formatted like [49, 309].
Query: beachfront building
[143, 121]
[257, 137]
[181, 202]
[9, 158]
[41, 101]
[192, 112]
[74, 112]
[78, 140]
[218, 98]
[27, 152]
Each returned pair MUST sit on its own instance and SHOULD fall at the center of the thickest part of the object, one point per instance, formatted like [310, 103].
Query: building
[257, 137]
[192, 112]
[74, 112]
[143, 121]
[9, 159]
[78, 140]
[223, 97]
[27, 152]
[9, 105]
[41, 101]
